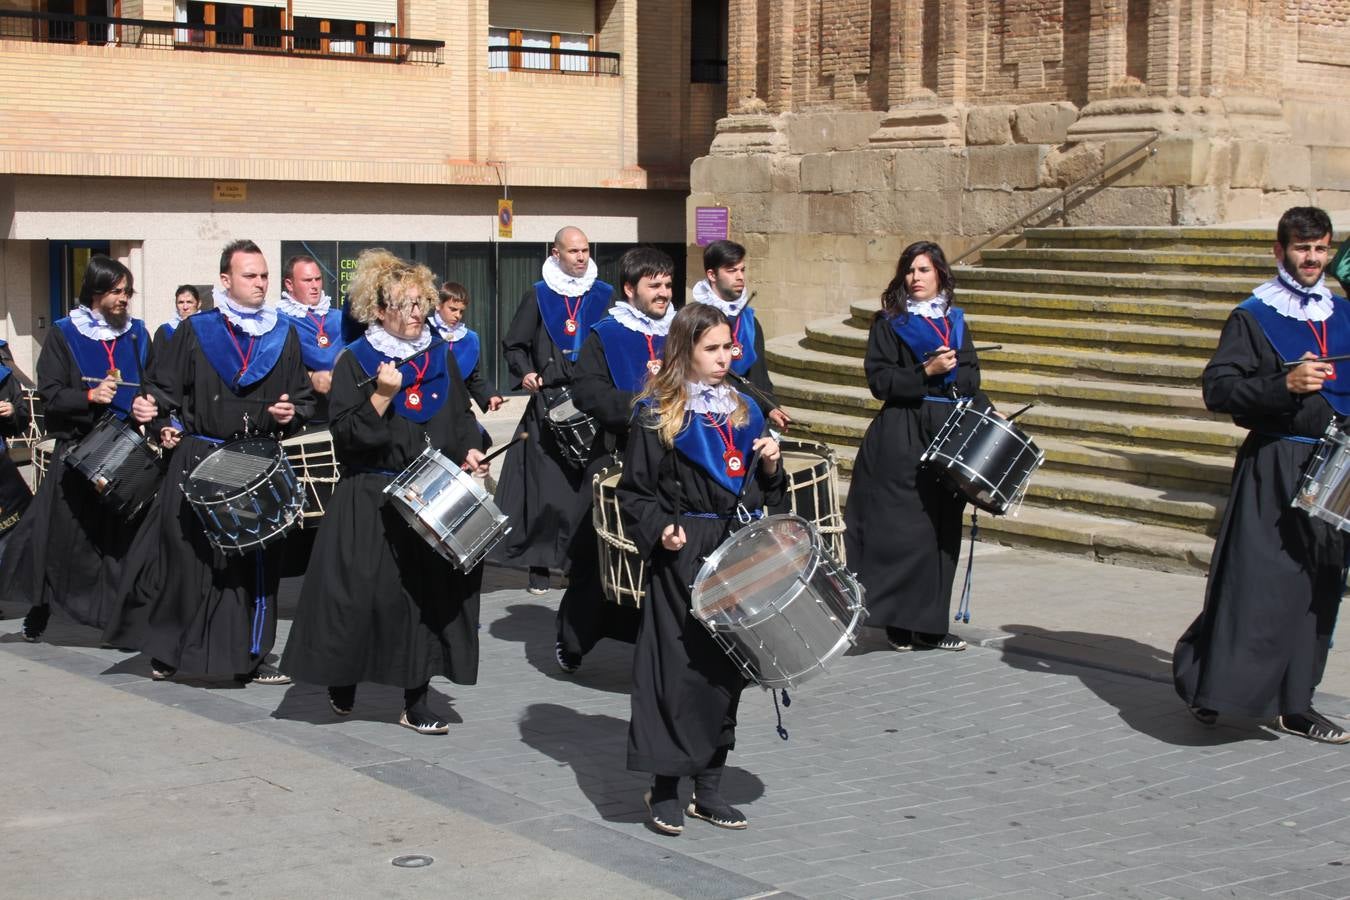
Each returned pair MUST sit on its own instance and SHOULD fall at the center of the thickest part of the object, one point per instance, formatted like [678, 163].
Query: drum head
[757, 566]
[232, 467]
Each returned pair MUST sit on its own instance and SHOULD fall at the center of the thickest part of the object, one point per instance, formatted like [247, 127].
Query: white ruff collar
[934, 308]
[397, 347]
[292, 307]
[718, 400]
[448, 334]
[704, 293]
[95, 327]
[560, 282]
[630, 317]
[253, 322]
[1288, 298]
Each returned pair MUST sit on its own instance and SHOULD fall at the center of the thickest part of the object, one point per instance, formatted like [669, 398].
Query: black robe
[183, 601]
[1259, 646]
[378, 603]
[68, 550]
[685, 688]
[15, 497]
[538, 487]
[903, 526]
[584, 615]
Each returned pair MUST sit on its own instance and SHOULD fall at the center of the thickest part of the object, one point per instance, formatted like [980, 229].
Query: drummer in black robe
[724, 286]
[623, 351]
[684, 482]
[1259, 646]
[317, 323]
[233, 370]
[378, 603]
[15, 496]
[539, 484]
[903, 525]
[69, 549]
[186, 302]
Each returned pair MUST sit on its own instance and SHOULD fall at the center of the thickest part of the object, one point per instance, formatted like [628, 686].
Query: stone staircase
[1107, 330]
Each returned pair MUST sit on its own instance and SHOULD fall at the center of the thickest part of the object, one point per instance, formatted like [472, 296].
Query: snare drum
[449, 508]
[119, 464]
[245, 494]
[311, 456]
[778, 601]
[621, 568]
[986, 459]
[1324, 492]
[574, 431]
[813, 488]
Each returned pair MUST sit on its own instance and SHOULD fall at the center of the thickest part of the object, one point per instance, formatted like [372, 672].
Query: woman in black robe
[688, 453]
[186, 302]
[69, 549]
[903, 532]
[378, 603]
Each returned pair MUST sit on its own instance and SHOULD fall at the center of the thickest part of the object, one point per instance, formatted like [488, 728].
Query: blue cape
[700, 443]
[214, 332]
[553, 311]
[1291, 338]
[92, 359]
[626, 353]
[743, 329]
[922, 338]
[435, 389]
[4, 370]
[467, 350]
[319, 359]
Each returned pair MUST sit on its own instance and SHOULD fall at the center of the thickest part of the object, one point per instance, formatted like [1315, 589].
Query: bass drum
[983, 457]
[119, 465]
[314, 461]
[812, 471]
[621, 569]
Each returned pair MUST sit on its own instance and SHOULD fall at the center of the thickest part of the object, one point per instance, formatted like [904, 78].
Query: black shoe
[664, 816]
[35, 623]
[1203, 715]
[1314, 726]
[538, 580]
[720, 813]
[342, 699]
[939, 641]
[900, 638]
[263, 674]
[423, 722]
[568, 662]
[160, 670]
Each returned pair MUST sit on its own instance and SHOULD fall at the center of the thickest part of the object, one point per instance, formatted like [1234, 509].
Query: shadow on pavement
[1148, 706]
[607, 667]
[374, 703]
[595, 748]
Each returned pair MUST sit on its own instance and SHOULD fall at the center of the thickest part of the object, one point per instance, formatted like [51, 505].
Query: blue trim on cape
[701, 445]
[923, 339]
[435, 388]
[318, 359]
[213, 334]
[748, 329]
[172, 326]
[92, 359]
[467, 350]
[1291, 338]
[4, 370]
[626, 353]
[553, 312]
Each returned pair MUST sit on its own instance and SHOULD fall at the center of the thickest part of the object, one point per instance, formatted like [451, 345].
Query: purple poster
[711, 223]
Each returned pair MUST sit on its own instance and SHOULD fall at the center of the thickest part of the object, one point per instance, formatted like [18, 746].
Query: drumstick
[1295, 363]
[91, 380]
[524, 435]
[987, 347]
[403, 362]
[1020, 411]
[755, 392]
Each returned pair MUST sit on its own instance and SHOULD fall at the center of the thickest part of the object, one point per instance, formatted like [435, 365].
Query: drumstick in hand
[524, 435]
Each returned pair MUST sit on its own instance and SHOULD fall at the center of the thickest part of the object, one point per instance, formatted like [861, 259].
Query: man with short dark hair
[316, 321]
[539, 486]
[1259, 647]
[724, 286]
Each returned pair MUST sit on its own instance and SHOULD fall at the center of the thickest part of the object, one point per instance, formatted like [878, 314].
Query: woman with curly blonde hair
[378, 604]
[687, 473]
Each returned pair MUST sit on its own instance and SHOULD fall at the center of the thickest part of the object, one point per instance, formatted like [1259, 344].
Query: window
[230, 24]
[555, 51]
[708, 42]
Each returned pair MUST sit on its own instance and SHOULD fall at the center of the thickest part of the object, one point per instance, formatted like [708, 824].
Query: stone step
[1154, 310]
[1178, 287]
[823, 361]
[1196, 264]
[1207, 239]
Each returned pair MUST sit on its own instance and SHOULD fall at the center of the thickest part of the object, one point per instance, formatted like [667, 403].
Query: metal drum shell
[1324, 489]
[574, 432]
[439, 501]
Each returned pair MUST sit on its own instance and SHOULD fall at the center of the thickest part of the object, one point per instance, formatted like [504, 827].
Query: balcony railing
[519, 57]
[62, 28]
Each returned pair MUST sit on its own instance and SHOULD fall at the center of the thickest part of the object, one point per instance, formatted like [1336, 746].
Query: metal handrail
[1062, 195]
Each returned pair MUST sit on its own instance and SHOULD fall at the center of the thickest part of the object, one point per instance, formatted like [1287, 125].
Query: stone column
[743, 52]
[919, 117]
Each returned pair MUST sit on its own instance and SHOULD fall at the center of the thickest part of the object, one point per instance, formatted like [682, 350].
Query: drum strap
[963, 607]
[370, 470]
[1296, 438]
[259, 604]
[725, 517]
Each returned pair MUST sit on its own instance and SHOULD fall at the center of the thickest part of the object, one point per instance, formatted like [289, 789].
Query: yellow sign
[229, 191]
[505, 219]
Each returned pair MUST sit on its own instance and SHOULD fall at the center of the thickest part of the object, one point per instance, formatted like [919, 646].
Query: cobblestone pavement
[988, 773]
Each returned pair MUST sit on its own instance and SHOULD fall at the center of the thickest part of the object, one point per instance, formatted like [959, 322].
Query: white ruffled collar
[704, 293]
[292, 307]
[448, 334]
[715, 399]
[253, 322]
[559, 282]
[632, 318]
[932, 308]
[1288, 298]
[397, 347]
[95, 327]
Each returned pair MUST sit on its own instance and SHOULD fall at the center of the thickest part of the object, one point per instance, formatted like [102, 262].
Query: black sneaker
[160, 670]
[939, 641]
[900, 638]
[342, 699]
[34, 623]
[1314, 726]
[423, 722]
[664, 816]
[264, 674]
[721, 814]
[568, 662]
[1204, 715]
[538, 580]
